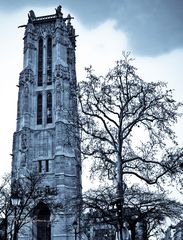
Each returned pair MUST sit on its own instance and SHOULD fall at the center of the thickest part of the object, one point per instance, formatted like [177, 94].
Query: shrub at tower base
[27, 192]
[145, 213]
[127, 130]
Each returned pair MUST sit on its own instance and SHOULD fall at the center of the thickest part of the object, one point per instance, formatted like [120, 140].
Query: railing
[45, 18]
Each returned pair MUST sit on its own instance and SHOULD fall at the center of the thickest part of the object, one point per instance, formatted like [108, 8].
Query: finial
[69, 18]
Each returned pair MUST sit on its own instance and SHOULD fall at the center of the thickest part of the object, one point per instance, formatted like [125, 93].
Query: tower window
[47, 165]
[49, 107]
[49, 61]
[40, 62]
[39, 109]
[40, 166]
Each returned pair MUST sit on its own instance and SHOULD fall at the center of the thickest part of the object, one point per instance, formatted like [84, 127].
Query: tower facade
[46, 141]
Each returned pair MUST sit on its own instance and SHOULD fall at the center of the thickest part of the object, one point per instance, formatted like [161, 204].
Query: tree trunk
[132, 228]
[120, 196]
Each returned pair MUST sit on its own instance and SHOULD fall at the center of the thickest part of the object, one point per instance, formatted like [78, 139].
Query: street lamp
[75, 225]
[15, 200]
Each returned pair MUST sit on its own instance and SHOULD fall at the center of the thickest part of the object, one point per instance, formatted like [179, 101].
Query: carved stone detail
[61, 40]
[29, 45]
[26, 76]
[60, 24]
[44, 144]
[29, 28]
[45, 29]
[61, 72]
[24, 140]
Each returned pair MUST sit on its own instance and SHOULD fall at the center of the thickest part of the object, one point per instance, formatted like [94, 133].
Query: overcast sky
[151, 30]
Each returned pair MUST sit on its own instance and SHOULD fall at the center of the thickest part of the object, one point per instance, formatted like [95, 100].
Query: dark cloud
[153, 27]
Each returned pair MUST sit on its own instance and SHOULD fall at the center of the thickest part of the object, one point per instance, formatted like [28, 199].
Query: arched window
[42, 229]
[49, 107]
[49, 61]
[40, 62]
[39, 109]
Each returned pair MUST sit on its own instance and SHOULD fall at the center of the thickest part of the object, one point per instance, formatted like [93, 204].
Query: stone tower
[46, 140]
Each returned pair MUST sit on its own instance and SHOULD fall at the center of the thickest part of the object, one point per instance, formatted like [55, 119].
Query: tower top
[57, 19]
[48, 18]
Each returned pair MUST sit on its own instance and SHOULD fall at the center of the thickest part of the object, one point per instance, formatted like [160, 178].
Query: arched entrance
[42, 226]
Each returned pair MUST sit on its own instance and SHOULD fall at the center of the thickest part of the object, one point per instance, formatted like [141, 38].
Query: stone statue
[26, 90]
[24, 147]
[58, 11]
[31, 15]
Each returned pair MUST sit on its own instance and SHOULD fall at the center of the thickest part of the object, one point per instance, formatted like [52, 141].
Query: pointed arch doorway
[42, 226]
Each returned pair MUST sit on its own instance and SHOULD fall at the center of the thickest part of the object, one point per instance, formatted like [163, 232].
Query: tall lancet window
[49, 107]
[40, 62]
[39, 109]
[49, 61]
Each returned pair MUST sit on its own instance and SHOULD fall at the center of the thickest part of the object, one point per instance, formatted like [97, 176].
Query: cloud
[99, 45]
[11, 49]
[153, 27]
[166, 68]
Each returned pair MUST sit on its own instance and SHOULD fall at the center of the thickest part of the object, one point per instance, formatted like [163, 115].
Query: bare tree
[153, 209]
[112, 110]
[5, 209]
[149, 209]
[28, 190]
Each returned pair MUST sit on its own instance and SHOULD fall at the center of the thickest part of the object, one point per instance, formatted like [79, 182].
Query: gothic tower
[46, 140]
